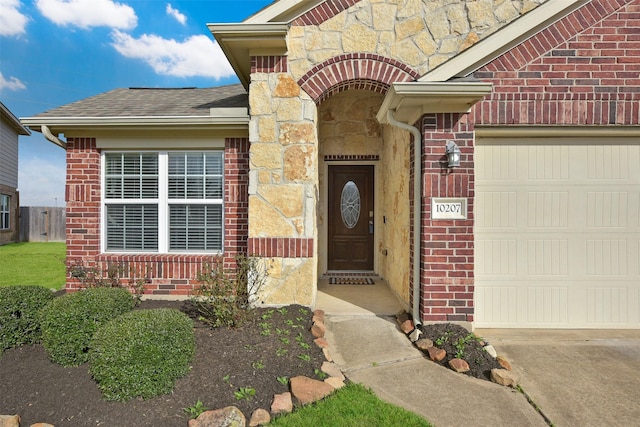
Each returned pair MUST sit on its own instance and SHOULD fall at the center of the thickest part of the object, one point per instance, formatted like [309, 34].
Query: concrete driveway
[576, 377]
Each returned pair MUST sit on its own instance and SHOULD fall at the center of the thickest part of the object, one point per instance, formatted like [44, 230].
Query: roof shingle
[149, 102]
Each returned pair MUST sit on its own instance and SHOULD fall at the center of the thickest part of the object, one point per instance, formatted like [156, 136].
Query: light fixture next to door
[453, 154]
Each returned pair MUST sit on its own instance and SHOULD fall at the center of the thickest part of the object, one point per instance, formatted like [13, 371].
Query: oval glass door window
[350, 204]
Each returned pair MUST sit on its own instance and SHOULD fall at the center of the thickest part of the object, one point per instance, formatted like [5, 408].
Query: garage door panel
[573, 249]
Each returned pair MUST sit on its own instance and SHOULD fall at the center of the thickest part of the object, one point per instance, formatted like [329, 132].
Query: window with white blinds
[163, 201]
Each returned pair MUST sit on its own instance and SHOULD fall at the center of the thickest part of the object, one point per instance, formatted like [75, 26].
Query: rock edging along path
[502, 373]
[304, 390]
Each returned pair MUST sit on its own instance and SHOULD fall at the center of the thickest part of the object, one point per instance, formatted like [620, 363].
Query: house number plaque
[448, 208]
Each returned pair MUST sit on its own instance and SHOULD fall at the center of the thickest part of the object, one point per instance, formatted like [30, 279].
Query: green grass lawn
[33, 263]
[352, 406]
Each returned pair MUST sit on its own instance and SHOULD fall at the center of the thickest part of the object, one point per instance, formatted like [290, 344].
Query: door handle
[370, 227]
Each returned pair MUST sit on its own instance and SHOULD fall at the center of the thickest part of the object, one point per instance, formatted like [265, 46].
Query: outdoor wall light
[453, 154]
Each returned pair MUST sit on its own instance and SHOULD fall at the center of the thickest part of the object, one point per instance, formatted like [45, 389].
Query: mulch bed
[448, 334]
[225, 361]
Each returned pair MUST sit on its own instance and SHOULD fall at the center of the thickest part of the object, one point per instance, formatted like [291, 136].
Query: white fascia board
[14, 122]
[64, 124]
[410, 100]
[584, 132]
[282, 11]
[503, 40]
[239, 41]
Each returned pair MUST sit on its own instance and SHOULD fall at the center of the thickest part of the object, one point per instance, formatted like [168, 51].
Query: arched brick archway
[354, 71]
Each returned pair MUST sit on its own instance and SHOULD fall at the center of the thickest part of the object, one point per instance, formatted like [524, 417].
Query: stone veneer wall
[283, 184]
[395, 217]
[421, 34]
[166, 274]
[338, 46]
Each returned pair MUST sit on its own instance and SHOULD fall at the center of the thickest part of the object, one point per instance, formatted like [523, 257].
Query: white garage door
[557, 233]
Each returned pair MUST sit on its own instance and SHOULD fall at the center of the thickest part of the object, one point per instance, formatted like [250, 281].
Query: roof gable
[559, 39]
[290, 10]
[12, 120]
[504, 41]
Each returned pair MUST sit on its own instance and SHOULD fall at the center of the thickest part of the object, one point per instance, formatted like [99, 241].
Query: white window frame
[5, 210]
[163, 202]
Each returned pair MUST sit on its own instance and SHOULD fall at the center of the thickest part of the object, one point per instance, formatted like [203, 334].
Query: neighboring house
[331, 156]
[10, 129]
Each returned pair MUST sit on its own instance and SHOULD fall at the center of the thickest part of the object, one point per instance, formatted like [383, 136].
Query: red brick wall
[583, 70]
[172, 274]
[324, 11]
[447, 245]
[354, 71]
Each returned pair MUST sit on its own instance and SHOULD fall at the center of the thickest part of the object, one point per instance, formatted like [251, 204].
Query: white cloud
[195, 56]
[176, 14]
[88, 13]
[11, 84]
[12, 22]
[41, 182]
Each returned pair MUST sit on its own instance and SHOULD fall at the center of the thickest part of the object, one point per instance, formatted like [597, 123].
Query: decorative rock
[459, 365]
[335, 382]
[504, 377]
[436, 354]
[504, 363]
[9, 421]
[332, 370]
[327, 355]
[225, 417]
[306, 390]
[318, 318]
[42, 425]
[259, 417]
[282, 404]
[424, 344]
[319, 313]
[402, 317]
[317, 330]
[321, 342]
[407, 326]
[492, 351]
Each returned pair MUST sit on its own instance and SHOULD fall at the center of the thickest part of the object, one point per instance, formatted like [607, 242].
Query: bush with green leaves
[69, 322]
[20, 307]
[227, 292]
[142, 353]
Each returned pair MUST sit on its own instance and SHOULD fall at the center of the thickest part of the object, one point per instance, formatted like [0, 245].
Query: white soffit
[410, 100]
[240, 41]
[503, 40]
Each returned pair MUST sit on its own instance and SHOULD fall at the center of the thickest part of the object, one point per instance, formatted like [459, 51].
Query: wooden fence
[42, 224]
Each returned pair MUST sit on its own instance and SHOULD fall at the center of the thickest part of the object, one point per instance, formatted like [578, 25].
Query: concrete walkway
[577, 378]
[367, 344]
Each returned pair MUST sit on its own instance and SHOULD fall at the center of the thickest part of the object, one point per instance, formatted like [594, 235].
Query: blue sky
[53, 52]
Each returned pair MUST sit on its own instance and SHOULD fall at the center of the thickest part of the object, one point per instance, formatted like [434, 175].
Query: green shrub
[69, 322]
[142, 353]
[226, 293]
[19, 314]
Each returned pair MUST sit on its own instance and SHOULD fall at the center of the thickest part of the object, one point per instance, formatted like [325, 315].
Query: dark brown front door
[350, 218]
